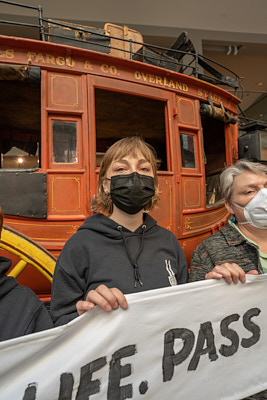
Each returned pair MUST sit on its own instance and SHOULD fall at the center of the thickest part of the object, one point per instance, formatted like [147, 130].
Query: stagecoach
[66, 97]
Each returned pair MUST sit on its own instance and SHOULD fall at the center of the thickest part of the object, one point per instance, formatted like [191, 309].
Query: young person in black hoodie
[121, 250]
[21, 312]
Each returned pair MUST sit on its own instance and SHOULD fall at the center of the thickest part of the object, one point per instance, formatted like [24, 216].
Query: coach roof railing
[181, 57]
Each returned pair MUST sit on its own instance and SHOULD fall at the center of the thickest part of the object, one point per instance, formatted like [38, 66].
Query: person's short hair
[1, 220]
[126, 146]
[228, 175]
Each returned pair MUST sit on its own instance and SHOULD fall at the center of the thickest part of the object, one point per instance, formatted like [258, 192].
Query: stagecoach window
[16, 158]
[64, 142]
[187, 151]
[20, 122]
[215, 157]
[119, 115]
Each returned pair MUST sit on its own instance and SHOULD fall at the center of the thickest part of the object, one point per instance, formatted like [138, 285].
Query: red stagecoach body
[70, 105]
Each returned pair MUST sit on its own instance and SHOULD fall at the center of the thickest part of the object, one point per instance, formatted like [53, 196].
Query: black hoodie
[21, 312]
[103, 252]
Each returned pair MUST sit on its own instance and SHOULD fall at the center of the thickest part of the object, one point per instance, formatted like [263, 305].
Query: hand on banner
[104, 297]
[230, 272]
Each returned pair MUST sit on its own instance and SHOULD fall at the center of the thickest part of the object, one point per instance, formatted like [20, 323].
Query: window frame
[71, 119]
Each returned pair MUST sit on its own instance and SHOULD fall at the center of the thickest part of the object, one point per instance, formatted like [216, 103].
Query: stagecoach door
[118, 109]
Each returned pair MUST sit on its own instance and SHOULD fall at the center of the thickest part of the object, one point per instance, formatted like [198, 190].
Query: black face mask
[131, 192]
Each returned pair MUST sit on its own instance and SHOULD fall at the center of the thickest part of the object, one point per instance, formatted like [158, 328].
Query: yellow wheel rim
[29, 252]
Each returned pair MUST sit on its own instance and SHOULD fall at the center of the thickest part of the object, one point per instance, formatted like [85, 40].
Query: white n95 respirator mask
[255, 211]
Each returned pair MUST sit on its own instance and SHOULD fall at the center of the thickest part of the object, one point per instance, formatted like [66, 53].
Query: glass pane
[64, 142]
[187, 151]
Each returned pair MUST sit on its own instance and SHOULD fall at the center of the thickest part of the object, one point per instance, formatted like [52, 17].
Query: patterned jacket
[226, 245]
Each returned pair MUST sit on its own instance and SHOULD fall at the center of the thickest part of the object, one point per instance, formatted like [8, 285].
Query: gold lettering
[159, 80]
[165, 82]
[104, 68]
[60, 61]
[205, 94]
[70, 62]
[50, 59]
[9, 53]
[137, 75]
[30, 56]
[88, 65]
[144, 76]
[109, 69]
[113, 70]
[185, 87]
[39, 58]
[217, 98]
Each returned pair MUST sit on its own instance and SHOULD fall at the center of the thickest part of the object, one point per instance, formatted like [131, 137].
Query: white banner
[204, 340]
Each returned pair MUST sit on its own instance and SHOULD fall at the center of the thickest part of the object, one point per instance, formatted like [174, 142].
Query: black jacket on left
[21, 312]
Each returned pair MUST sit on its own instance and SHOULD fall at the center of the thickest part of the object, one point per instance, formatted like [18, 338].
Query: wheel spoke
[18, 268]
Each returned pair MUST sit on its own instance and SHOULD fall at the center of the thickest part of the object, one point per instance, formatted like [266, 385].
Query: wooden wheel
[28, 252]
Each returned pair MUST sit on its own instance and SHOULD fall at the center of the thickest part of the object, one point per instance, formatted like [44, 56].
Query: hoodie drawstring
[137, 275]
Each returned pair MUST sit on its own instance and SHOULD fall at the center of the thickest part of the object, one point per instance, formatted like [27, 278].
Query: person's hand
[253, 272]
[102, 296]
[230, 272]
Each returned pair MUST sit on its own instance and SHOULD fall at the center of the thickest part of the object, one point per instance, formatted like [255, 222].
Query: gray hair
[228, 175]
